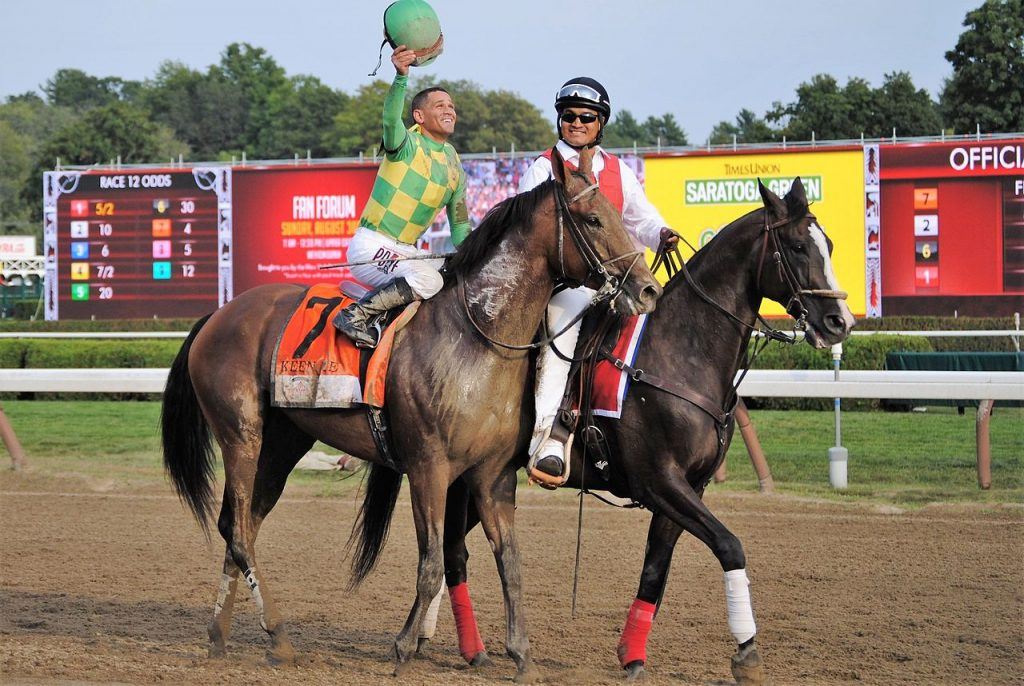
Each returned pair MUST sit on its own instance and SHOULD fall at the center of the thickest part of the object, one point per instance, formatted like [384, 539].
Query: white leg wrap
[222, 594]
[257, 596]
[553, 371]
[737, 601]
[429, 625]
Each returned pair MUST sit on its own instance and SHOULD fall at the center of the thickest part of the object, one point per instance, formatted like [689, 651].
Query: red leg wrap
[633, 643]
[470, 643]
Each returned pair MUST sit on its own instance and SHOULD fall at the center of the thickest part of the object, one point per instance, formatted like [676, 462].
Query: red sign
[288, 222]
[953, 160]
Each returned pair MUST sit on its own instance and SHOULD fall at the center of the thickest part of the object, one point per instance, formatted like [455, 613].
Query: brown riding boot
[354, 320]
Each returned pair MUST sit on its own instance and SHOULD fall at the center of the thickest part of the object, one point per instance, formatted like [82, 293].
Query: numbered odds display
[137, 243]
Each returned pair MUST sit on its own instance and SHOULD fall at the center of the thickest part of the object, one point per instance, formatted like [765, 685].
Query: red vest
[610, 183]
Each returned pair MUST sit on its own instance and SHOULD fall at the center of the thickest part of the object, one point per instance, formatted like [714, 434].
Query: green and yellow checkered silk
[417, 178]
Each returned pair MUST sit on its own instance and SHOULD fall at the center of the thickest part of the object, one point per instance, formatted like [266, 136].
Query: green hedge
[951, 344]
[84, 354]
[35, 325]
[859, 353]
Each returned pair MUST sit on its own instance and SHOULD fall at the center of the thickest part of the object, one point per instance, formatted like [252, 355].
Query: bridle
[611, 286]
[794, 305]
[673, 262]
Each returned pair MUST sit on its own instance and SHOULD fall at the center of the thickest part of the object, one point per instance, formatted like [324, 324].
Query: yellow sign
[700, 194]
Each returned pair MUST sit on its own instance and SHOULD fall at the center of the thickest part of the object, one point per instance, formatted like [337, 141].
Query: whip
[438, 256]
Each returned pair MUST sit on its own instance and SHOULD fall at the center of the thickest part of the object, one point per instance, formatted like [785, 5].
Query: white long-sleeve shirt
[641, 219]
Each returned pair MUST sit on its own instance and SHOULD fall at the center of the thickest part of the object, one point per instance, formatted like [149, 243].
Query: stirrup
[543, 479]
[371, 327]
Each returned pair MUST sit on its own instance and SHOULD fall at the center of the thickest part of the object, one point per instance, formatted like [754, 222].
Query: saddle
[316, 366]
[601, 331]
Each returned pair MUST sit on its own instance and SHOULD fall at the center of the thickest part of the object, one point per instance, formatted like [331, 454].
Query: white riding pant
[422, 275]
[553, 371]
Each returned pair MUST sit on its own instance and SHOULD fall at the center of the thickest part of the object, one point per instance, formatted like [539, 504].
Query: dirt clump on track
[113, 586]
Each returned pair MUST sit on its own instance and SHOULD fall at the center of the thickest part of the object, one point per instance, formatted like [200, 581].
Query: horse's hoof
[401, 669]
[422, 645]
[281, 656]
[528, 675]
[481, 659]
[635, 672]
[747, 667]
[217, 651]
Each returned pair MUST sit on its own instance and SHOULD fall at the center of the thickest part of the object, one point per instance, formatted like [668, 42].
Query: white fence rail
[758, 383]
[966, 333]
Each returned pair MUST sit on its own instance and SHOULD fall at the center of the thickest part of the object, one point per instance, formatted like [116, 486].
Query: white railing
[966, 333]
[764, 383]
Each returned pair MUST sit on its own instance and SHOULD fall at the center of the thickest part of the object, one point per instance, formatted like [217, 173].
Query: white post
[837, 455]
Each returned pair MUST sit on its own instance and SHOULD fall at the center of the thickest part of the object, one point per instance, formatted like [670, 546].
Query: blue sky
[700, 60]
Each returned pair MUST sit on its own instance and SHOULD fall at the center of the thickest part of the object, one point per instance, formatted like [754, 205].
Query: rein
[674, 264]
[611, 286]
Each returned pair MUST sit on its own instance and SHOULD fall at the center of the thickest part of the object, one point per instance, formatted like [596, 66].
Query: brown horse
[677, 420]
[455, 398]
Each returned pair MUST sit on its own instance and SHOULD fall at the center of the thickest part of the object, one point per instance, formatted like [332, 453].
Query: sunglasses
[585, 118]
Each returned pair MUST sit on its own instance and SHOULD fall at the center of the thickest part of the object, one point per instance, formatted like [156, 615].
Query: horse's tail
[188, 451]
[370, 531]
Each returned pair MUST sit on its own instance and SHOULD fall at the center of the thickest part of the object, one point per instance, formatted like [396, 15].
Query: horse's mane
[703, 252]
[512, 211]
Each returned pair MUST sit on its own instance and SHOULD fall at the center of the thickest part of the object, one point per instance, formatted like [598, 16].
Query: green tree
[100, 135]
[257, 76]
[358, 128]
[77, 90]
[205, 110]
[899, 104]
[300, 114]
[624, 131]
[828, 112]
[26, 121]
[820, 110]
[664, 130]
[987, 86]
[748, 128]
[17, 166]
[495, 119]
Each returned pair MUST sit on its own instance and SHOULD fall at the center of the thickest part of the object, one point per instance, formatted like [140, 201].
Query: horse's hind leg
[255, 473]
[220, 626]
[496, 503]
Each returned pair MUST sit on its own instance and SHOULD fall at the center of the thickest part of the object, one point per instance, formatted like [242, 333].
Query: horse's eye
[799, 247]
[593, 220]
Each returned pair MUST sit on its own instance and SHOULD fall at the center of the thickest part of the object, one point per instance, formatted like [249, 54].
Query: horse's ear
[558, 170]
[796, 199]
[586, 161]
[772, 202]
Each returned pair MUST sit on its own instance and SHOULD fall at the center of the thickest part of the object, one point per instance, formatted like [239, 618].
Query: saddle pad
[610, 383]
[317, 366]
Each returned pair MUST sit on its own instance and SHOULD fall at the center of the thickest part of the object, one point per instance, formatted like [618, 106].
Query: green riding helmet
[414, 24]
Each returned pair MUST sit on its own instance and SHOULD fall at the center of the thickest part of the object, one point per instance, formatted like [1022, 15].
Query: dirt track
[118, 587]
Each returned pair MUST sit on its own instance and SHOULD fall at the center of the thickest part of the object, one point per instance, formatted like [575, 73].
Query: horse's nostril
[650, 293]
[835, 322]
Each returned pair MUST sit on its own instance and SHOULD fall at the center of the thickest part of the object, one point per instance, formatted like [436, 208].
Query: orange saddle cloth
[315, 365]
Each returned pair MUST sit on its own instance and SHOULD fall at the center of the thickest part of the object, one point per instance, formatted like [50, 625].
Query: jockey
[420, 174]
[583, 109]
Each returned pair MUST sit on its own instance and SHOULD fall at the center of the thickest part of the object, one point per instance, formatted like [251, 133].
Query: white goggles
[578, 90]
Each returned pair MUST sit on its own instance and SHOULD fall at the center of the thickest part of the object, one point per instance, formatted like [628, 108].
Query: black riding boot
[354, 320]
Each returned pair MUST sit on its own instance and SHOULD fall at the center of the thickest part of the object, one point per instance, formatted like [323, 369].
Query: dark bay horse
[676, 422]
[455, 399]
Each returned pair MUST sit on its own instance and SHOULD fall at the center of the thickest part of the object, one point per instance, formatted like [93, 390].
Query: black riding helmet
[584, 91]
